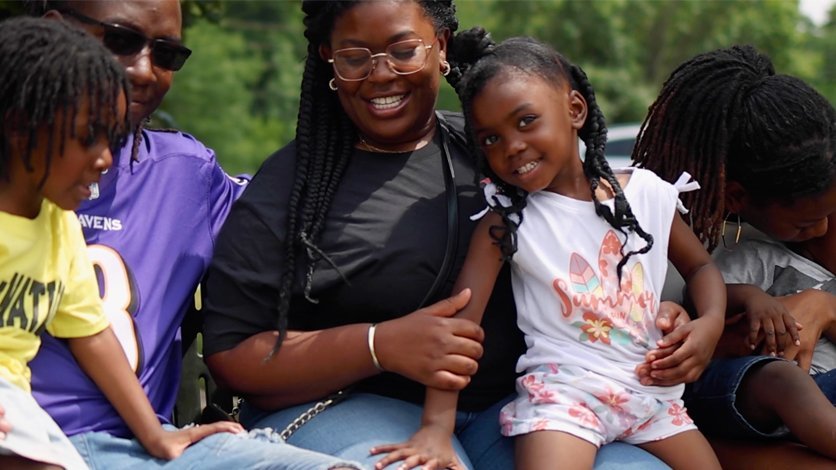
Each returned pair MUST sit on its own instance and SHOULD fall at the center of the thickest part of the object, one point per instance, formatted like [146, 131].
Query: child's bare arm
[431, 447]
[103, 360]
[697, 338]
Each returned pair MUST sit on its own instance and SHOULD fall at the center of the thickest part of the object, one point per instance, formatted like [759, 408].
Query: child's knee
[776, 380]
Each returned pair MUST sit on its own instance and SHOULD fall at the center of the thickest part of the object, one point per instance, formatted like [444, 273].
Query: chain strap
[310, 413]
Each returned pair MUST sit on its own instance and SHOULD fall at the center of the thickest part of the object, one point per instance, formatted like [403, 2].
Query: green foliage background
[239, 91]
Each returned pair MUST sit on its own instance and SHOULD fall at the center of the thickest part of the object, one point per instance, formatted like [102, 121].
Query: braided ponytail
[725, 115]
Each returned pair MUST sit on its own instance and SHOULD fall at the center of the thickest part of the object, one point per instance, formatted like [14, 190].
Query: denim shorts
[711, 400]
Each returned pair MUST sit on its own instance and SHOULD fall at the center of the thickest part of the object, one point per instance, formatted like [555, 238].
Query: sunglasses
[124, 41]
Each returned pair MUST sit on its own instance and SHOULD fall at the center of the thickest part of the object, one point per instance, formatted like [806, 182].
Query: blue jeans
[260, 449]
[352, 427]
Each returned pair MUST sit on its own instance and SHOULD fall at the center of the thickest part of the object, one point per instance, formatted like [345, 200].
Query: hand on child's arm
[770, 323]
[682, 355]
[685, 352]
[431, 448]
[431, 348]
[816, 310]
[169, 445]
[670, 317]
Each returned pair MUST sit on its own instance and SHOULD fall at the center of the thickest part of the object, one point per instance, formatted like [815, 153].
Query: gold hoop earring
[332, 84]
[737, 232]
[445, 68]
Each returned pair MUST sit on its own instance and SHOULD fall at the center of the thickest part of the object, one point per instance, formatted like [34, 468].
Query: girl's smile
[527, 168]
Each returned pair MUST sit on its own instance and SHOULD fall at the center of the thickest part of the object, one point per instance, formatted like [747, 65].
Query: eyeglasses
[356, 63]
[125, 41]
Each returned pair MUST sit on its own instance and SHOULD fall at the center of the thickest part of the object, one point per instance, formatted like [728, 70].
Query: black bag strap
[452, 209]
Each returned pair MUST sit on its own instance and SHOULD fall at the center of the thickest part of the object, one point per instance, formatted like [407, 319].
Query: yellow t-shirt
[46, 281]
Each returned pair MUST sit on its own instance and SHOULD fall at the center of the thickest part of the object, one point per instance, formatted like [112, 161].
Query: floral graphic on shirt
[610, 311]
[595, 328]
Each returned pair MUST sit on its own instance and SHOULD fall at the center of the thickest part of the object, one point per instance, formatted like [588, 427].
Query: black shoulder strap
[452, 211]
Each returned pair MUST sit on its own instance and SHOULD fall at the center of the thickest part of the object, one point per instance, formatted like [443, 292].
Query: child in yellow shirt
[63, 105]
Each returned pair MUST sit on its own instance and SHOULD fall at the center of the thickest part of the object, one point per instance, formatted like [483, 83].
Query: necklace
[370, 147]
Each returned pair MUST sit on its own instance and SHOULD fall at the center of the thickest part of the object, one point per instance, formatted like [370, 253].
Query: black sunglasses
[125, 41]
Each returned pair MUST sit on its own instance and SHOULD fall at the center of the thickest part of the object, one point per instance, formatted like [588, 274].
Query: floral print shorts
[590, 406]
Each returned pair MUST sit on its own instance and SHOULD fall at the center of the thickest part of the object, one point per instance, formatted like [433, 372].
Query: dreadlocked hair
[47, 71]
[475, 60]
[726, 115]
[325, 139]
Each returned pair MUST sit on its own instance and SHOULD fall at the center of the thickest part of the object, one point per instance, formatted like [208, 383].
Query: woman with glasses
[150, 228]
[330, 303]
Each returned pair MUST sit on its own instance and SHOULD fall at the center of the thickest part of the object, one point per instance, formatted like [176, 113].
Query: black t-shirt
[387, 232]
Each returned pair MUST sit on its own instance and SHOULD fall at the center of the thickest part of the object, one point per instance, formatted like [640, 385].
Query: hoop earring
[737, 233]
[332, 84]
[445, 68]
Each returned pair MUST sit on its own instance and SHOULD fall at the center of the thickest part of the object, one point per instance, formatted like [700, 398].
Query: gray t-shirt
[779, 271]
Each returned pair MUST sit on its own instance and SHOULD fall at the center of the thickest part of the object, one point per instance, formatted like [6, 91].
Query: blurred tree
[247, 109]
[213, 98]
[628, 47]
[239, 91]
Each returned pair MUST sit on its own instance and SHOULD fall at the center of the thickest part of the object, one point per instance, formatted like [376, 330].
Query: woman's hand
[816, 310]
[169, 445]
[685, 350]
[430, 448]
[429, 347]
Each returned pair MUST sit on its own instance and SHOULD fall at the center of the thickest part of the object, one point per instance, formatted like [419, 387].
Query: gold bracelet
[371, 347]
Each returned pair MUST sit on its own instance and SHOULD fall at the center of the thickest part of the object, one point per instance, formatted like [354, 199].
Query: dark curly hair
[48, 70]
[325, 139]
[475, 60]
[726, 115]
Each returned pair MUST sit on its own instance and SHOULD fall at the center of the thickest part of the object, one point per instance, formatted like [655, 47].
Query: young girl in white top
[589, 249]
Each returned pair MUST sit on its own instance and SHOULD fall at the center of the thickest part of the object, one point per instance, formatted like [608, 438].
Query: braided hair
[48, 70]
[475, 60]
[325, 139]
[726, 115]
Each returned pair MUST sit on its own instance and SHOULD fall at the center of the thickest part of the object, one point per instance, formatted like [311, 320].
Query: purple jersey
[150, 236]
